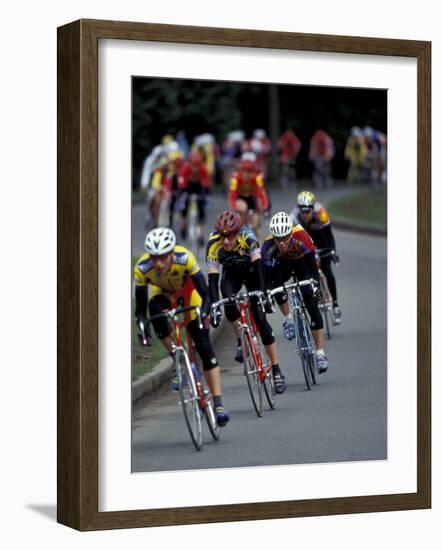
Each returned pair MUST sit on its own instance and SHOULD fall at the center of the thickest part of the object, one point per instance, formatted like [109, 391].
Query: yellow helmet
[306, 198]
[168, 138]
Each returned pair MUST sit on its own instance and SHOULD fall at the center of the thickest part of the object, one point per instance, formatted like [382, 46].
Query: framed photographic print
[163, 128]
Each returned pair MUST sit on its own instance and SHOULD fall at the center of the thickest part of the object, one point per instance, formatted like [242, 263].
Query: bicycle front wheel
[310, 346]
[302, 345]
[189, 398]
[251, 372]
[209, 413]
[269, 382]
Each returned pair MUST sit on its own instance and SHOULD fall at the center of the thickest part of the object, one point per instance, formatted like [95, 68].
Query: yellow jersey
[184, 265]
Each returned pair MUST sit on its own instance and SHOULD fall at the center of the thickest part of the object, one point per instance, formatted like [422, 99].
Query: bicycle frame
[194, 392]
[305, 346]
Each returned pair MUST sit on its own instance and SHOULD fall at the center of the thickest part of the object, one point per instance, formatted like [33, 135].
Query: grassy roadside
[367, 206]
[144, 358]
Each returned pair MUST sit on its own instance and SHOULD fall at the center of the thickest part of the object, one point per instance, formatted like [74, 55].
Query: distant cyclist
[174, 275]
[289, 146]
[321, 153]
[236, 250]
[194, 179]
[315, 220]
[248, 184]
[289, 250]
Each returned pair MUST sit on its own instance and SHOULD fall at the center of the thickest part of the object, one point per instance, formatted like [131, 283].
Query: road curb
[358, 227]
[162, 372]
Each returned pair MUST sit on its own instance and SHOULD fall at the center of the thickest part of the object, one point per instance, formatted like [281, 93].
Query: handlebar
[238, 298]
[172, 314]
[288, 286]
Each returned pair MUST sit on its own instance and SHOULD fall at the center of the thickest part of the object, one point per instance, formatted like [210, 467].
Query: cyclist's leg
[201, 201]
[266, 332]
[329, 275]
[157, 304]
[231, 283]
[184, 212]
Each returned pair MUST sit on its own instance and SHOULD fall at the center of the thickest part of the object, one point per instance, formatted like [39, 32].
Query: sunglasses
[282, 239]
[229, 235]
[306, 209]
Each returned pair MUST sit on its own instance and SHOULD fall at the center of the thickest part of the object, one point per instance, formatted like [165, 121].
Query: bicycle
[326, 300]
[305, 345]
[257, 364]
[195, 397]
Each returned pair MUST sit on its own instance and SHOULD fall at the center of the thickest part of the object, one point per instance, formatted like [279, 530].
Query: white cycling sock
[320, 352]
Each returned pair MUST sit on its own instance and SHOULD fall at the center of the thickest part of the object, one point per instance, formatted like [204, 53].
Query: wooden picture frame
[77, 386]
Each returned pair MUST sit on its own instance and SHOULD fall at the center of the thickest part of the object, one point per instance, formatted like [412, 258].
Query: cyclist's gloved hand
[144, 336]
[215, 317]
[266, 213]
[268, 306]
[317, 294]
[335, 258]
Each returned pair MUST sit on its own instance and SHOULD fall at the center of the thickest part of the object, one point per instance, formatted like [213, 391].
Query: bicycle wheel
[251, 373]
[268, 382]
[189, 398]
[301, 343]
[310, 347]
[325, 306]
[209, 413]
[327, 322]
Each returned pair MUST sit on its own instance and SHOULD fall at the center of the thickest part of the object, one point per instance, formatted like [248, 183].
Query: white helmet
[281, 225]
[259, 133]
[160, 241]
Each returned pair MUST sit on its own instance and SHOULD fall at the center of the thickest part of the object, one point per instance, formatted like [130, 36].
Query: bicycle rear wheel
[251, 373]
[189, 398]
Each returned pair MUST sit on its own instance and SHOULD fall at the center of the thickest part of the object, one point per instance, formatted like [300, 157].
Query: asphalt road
[343, 418]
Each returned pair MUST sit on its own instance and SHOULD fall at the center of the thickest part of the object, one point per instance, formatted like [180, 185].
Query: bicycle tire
[209, 413]
[189, 399]
[325, 306]
[251, 372]
[302, 349]
[269, 382]
[326, 317]
[310, 345]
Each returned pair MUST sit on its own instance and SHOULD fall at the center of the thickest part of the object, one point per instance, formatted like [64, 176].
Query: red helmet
[195, 158]
[228, 222]
[246, 166]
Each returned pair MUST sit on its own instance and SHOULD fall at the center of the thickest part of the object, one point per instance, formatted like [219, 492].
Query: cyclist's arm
[311, 262]
[262, 193]
[329, 237]
[141, 297]
[213, 284]
[263, 273]
[201, 287]
[233, 193]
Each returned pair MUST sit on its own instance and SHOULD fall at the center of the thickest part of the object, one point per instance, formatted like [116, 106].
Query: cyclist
[290, 250]
[321, 153]
[175, 161]
[194, 179]
[236, 249]
[246, 183]
[289, 146]
[174, 275]
[314, 218]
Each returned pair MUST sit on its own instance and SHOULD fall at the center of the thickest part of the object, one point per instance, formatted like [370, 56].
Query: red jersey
[289, 145]
[254, 187]
[190, 174]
